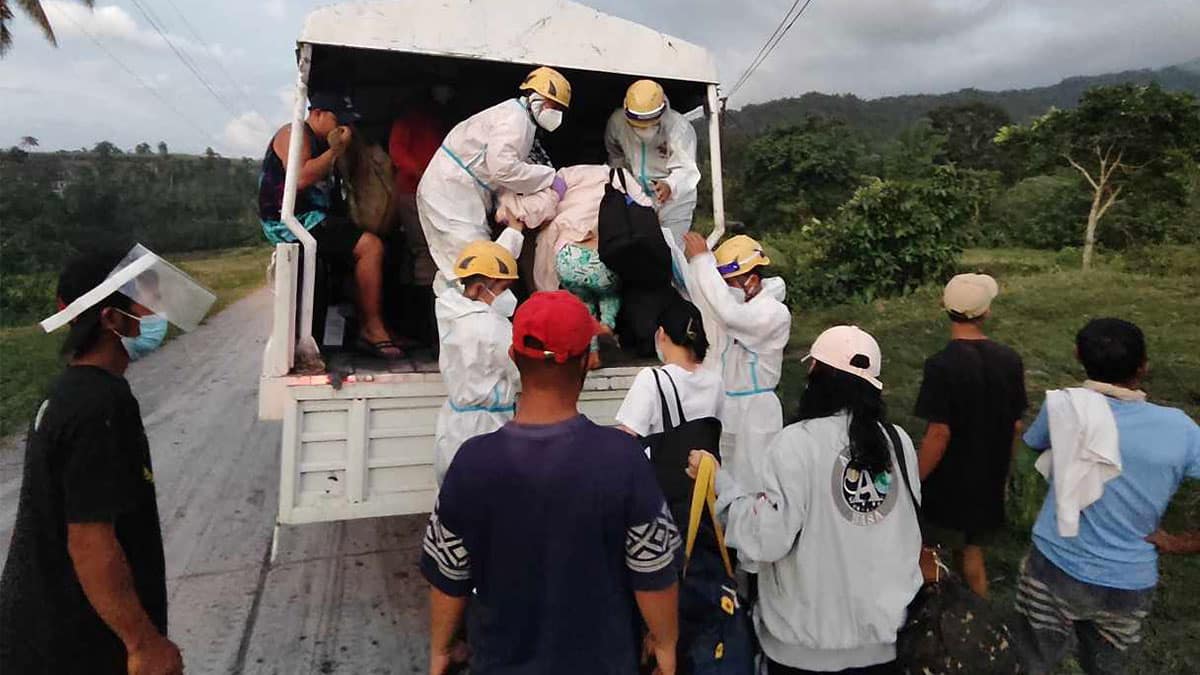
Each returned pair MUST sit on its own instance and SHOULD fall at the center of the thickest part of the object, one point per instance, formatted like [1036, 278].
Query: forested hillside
[53, 205]
[885, 118]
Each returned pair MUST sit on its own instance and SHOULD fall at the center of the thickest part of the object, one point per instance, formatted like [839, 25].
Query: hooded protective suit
[670, 156]
[486, 152]
[747, 339]
[481, 380]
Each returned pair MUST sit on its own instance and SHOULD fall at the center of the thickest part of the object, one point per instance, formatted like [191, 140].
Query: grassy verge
[29, 357]
[1043, 302]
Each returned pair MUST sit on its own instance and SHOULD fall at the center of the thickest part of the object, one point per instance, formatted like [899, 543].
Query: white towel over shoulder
[1084, 452]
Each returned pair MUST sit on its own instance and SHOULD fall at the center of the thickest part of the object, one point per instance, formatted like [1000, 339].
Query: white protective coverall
[669, 157]
[485, 152]
[481, 380]
[746, 343]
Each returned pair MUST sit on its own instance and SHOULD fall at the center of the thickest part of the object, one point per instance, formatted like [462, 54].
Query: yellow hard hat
[738, 255]
[485, 258]
[549, 83]
[645, 103]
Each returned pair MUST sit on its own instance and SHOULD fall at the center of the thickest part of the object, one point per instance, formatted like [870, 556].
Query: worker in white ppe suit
[748, 327]
[482, 154]
[658, 145]
[476, 332]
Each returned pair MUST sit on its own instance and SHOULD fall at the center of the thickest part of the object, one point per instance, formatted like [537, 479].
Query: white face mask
[646, 134]
[738, 294]
[550, 119]
[504, 304]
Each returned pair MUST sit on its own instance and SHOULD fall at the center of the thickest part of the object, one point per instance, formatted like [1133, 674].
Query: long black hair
[831, 391]
[684, 326]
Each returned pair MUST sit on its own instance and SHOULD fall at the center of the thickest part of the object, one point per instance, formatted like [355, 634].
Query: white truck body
[361, 445]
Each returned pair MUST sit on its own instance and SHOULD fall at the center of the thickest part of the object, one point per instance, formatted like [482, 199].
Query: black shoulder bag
[948, 629]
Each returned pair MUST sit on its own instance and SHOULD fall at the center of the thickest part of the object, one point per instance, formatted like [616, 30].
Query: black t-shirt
[977, 387]
[87, 461]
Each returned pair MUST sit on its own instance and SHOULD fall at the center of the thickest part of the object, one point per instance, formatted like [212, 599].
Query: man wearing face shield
[482, 154]
[84, 587]
[658, 145]
[748, 327]
[476, 331]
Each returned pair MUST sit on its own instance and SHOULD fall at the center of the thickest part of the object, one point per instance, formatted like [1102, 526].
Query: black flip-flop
[377, 349]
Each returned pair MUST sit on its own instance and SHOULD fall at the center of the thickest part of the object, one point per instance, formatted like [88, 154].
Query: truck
[358, 438]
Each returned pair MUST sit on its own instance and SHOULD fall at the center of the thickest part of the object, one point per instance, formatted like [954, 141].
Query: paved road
[340, 598]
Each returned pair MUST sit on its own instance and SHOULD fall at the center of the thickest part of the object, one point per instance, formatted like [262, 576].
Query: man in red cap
[556, 524]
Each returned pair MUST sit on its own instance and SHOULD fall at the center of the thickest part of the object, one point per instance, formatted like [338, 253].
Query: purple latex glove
[559, 186]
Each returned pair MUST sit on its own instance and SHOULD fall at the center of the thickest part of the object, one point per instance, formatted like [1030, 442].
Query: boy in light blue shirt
[1097, 586]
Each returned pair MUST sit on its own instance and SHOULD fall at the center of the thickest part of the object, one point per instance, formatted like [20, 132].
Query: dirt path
[340, 598]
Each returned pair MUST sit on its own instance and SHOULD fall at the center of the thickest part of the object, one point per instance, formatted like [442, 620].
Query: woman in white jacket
[833, 531]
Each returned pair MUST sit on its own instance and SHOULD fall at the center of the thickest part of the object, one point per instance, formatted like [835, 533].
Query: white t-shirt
[700, 391]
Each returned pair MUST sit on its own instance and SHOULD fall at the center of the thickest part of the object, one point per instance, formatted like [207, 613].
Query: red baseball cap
[553, 326]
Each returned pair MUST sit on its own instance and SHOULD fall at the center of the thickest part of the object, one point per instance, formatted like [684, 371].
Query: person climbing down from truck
[567, 254]
[658, 145]
[749, 326]
[487, 152]
[476, 333]
[339, 241]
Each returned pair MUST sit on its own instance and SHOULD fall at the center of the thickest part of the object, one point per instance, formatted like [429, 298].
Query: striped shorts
[1061, 613]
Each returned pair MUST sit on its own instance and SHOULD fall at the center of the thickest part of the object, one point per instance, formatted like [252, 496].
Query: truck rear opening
[358, 437]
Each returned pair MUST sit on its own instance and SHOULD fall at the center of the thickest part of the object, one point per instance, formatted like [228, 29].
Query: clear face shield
[156, 285]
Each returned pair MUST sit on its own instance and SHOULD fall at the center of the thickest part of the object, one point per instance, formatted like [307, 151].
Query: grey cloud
[75, 96]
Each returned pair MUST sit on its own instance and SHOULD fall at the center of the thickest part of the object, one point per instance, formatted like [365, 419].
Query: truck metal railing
[307, 355]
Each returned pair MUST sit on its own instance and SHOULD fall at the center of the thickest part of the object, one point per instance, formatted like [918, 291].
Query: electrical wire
[185, 60]
[754, 66]
[237, 85]
[132, 73]
[763, 48]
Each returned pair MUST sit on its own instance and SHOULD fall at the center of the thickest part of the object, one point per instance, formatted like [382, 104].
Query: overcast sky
[74, 95]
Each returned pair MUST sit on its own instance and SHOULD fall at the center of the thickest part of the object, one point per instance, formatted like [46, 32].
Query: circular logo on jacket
[861, 498]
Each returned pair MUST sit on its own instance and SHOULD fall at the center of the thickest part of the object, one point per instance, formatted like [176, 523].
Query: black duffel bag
[631, 242]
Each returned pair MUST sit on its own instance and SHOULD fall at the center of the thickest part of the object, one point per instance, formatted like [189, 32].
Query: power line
[237, 85]
[762, 49]
[185, 60]
[754, 66]
[134, 75]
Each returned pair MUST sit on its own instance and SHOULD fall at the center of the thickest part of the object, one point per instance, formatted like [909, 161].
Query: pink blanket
[571, 221]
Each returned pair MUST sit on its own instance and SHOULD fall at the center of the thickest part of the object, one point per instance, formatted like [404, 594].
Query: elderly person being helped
[833, 531]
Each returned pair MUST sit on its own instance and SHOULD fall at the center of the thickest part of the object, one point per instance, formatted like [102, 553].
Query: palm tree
[34, 9]
[28, 141]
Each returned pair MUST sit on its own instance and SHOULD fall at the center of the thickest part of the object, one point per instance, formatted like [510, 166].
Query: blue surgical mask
[659, 352]
[150, 337]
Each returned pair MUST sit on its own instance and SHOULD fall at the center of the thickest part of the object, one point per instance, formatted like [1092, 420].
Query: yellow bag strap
[705, 492]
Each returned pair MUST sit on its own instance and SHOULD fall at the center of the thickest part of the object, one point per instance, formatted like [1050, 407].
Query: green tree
[1118, 137]
[29, 142]
[914, 154]
[142, 149]
[969, 129]
[891, 237]
[106, 149]
[162, 149]
[33, 8]
[797, 173]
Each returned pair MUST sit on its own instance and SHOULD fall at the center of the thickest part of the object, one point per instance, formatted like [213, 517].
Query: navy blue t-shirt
[553, 527]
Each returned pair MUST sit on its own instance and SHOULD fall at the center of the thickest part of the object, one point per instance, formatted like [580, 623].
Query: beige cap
[850, 349]
[970, 295]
